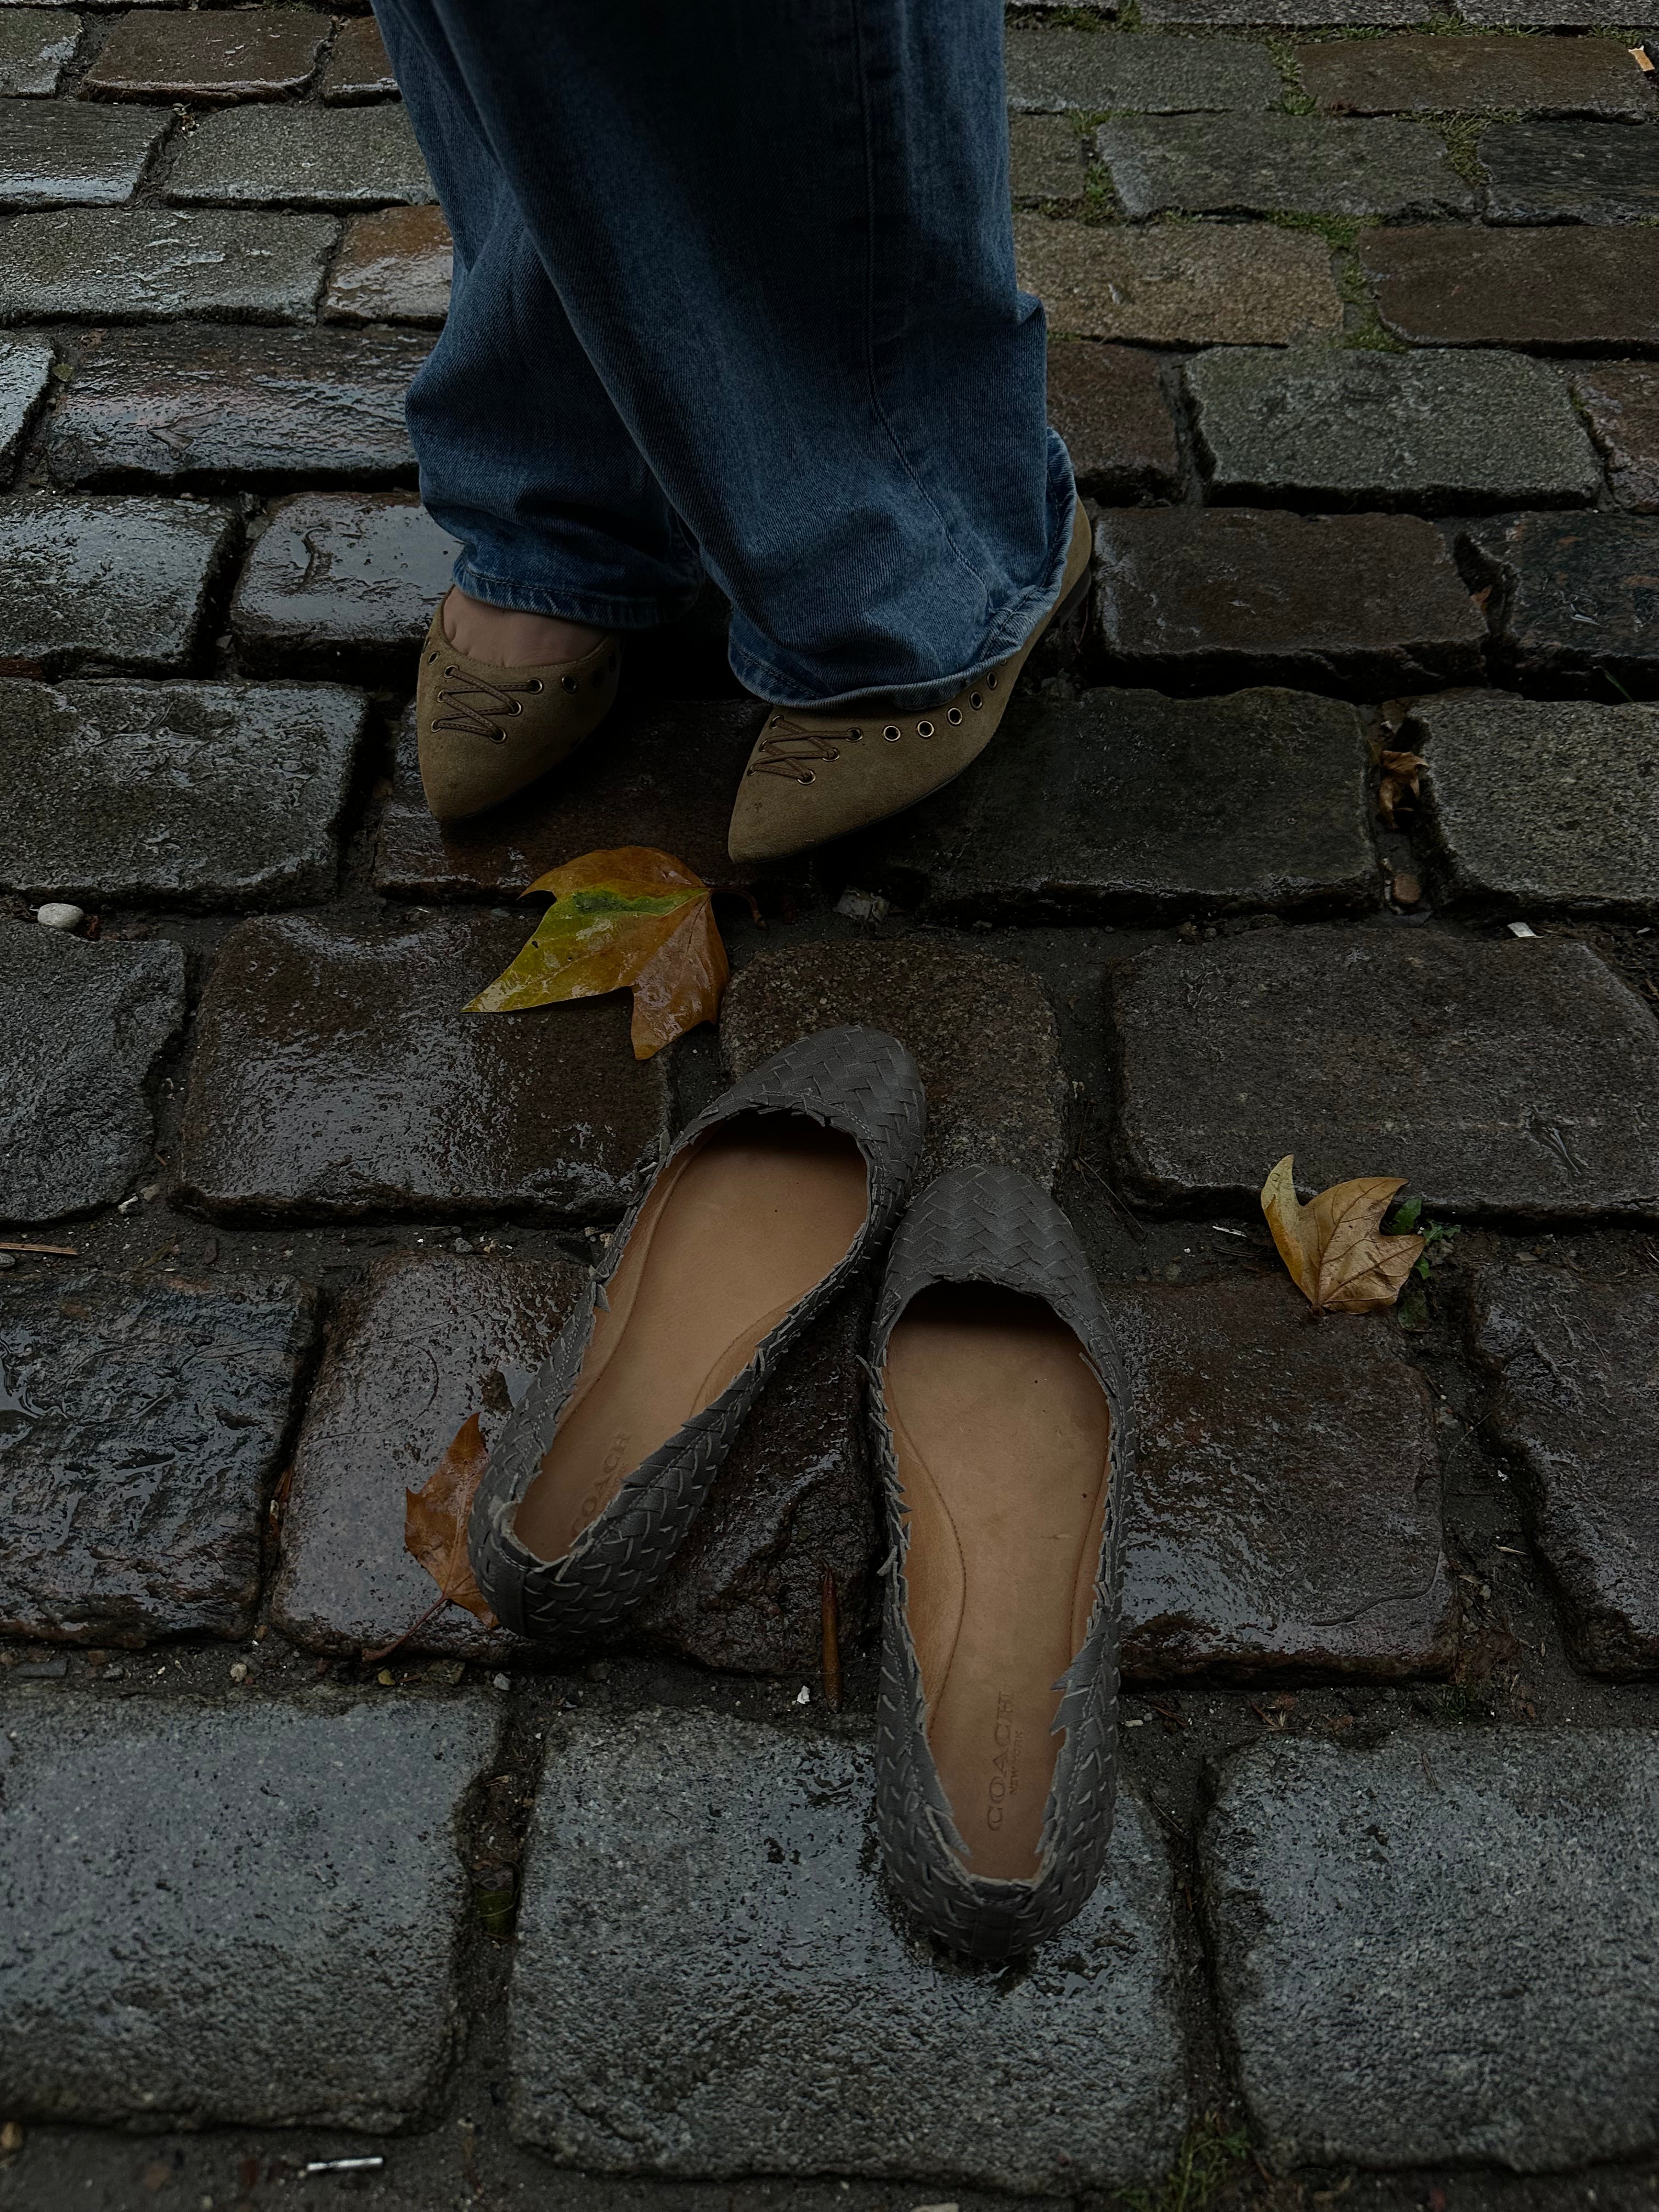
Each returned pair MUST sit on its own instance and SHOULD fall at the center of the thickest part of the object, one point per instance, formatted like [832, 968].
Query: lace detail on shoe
[473, 722]
[788, 750]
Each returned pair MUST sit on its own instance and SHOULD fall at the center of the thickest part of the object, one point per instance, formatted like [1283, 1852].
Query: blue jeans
[734, 292]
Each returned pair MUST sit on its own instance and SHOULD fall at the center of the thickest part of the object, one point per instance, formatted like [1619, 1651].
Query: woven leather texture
[996, 1226]
[857, 1080]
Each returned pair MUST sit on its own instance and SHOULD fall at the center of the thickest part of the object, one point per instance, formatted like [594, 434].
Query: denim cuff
[596, 610]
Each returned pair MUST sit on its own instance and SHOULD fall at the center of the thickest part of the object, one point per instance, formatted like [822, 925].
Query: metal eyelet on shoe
[990, 683]
[569, 683]
[856, 736]
[954, 714]
[498, 737]
[924, 729]
[535, 685]
[430, 658]
[891, 733]
[974, 701]
[806, 776]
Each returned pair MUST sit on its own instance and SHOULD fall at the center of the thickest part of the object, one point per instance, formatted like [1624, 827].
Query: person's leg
[780, 237]
[565, 533]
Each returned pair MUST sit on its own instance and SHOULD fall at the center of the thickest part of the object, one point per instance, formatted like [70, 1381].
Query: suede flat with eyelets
[814, 776]
[484, 731]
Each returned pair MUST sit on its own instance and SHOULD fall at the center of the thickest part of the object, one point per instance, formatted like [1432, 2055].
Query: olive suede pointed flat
[484, 732]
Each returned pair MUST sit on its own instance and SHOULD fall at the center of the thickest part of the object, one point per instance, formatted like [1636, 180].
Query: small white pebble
[502, 1681]
[804, 1696]
[55, 914]
[862, 906]
[238, 1672]
[1521, 929]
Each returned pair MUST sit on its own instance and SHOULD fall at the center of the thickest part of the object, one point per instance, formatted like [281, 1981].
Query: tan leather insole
[735, 1233]
[1002, 1431]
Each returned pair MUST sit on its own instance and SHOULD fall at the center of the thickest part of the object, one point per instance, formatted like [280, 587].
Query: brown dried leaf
[1334, 1247]
[1399, 785]
[631, 919]
[434, 1519]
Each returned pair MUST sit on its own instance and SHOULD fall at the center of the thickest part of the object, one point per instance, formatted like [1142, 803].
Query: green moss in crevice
[1208, 2159]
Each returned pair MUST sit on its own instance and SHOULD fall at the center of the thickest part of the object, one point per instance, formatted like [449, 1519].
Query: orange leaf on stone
[434, 1519]
[1399, 785]
[634, 919]
[1334, 1247]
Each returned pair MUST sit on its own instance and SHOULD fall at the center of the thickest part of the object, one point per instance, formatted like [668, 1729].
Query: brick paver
[187, 794]
[1128, 806]
[979, 1028]
[25, 379]
[1539, 806]
[1354, 344]
[291, 157]
[1369, 603]
[85, 1027]
[1560, 290]
[95, 264]
[1575, 1406]
[1279, 164]
[139, 1840]
[56, 154]
[1532, 77]
[1497, 1077]
[36, 46]
[1285, 1517]
[1572, 599]
[243, 54]
[336, 1075]
[153, 1419]
[1328, 428]
[307, 406]
[339, 583]
[1437, 1950]
[1621, 400]
[119, 583]
[653, 1846]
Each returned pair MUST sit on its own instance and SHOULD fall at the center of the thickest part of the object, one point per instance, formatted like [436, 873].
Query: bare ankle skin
[502, 638]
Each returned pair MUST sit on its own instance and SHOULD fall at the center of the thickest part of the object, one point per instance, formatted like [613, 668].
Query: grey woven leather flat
[1005, 1439]
[764, 1209]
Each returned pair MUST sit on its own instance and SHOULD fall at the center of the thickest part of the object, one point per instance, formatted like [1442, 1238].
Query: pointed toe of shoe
[483, 733]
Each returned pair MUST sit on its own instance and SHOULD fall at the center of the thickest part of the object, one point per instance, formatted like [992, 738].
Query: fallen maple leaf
[1334, 1250]
[630, 919]
[434, 1519]
[1398, 783]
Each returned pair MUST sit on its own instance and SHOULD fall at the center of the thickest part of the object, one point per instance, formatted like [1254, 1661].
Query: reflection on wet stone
[89, 1022]
[337, 582]
[334, 1074]
[391, 267]
[119, 583]
[186, 403]
[1285, 1513]
[141, 1426]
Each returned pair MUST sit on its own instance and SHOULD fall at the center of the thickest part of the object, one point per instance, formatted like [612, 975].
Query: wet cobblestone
[1351, 348]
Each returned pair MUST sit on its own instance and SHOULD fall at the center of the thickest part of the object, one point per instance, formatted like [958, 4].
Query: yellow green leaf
[634, 919]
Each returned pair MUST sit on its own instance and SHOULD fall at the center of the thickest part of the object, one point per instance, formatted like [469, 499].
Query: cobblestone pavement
[1357, 348]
